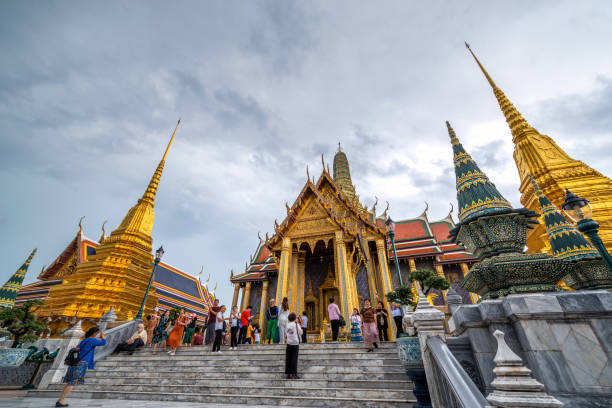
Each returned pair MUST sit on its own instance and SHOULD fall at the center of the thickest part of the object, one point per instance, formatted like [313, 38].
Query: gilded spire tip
[171, 140]
[484, 71]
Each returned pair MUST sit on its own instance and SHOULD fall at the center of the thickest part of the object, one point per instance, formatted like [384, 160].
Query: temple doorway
[320, 283]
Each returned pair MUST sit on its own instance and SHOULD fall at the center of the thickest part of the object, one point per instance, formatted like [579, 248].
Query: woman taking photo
[176, 335]
[368, 314]
[75, 375]
[234, 318]
[382, 321]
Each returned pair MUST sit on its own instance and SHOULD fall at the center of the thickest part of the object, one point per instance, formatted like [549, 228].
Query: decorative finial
[215, 287]
[451, 133]
[307, 173]
[374, 206]
[207, 280]
[81, 224]
[201, 270]
[466, 45]
[259, 236]
[103, 231]
[231, 273]
[424, 213]
[323, 162]
[339, 147]
[288, 208]
[486, 74]
[171, 140]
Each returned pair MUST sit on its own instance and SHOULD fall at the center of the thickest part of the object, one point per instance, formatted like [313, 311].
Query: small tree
[174, 313]
[428, 280]
[21, 322]
[403, 296]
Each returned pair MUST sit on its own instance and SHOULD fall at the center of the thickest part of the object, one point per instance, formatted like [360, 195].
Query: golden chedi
[554, 171]
[118, 273]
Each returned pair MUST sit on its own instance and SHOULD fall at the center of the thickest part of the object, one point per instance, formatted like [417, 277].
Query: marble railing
[115, 336]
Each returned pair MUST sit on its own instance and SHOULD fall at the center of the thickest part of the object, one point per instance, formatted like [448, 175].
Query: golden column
[414, 285]
[247, 295]
[341, 273]
[301, 281]
[440, 273]
[370, 273]
[263, 305]
[283, 271]
[236, 292]
[465, 270]
[242, 298]
[293, 282]
[351, 286]
[386, 283]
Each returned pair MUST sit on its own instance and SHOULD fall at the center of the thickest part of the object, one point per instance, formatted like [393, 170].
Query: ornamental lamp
[159, 253]
[576, 208]
[390, 225]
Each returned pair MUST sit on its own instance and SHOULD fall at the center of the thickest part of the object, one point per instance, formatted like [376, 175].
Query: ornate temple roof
[173, 286]
[476, 194]
[565, 239]
[261, 263]
[10, 290]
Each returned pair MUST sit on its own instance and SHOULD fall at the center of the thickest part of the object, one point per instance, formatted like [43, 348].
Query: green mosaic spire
[565, 239]
[476, 195]
[342, 174]
[8, 292]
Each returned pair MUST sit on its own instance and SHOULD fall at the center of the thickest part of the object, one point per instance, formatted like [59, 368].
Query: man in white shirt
[137, 340]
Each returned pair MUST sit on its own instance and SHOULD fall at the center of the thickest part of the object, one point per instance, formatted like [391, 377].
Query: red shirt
[244, 317]
[213, 318]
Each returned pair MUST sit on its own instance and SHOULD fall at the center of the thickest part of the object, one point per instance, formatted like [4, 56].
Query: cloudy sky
[90, 91]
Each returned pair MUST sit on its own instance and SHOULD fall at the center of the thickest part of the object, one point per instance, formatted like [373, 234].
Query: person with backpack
[293, 333]
[79, 360]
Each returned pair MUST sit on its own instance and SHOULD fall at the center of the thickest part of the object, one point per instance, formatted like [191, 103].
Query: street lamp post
[391, 231]
[579, 210]
[158, 255]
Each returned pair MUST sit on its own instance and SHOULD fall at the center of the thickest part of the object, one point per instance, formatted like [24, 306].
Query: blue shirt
[87, 347]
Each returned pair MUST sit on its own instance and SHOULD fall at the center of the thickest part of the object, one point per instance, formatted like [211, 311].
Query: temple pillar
[247, 296]
[352, 286]
[242, 298]
[342, 276]
[413, 286]
[386, 284]
[262, 307]
[236, 292]
[301, 282]
[283, 271]
[370, 274]
[293, 282]
[440, 273]
[465, 269]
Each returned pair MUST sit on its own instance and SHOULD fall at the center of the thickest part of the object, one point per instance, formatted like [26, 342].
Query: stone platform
[332, 375]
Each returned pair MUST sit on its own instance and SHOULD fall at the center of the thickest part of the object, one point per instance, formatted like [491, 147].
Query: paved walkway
[13, 402]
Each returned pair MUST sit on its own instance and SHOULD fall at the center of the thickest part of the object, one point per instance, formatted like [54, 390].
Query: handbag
[342, 321]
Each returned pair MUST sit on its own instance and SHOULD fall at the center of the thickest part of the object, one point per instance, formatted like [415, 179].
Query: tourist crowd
[368, 325]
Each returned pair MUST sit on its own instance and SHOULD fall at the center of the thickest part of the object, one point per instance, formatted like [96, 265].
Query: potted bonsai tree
[20, 323]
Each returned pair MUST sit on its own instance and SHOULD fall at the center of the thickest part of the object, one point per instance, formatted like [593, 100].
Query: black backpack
[72, 358]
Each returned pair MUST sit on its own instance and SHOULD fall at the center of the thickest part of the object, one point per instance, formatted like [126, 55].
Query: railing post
[514, 386]
[429, 322]
[72, 338]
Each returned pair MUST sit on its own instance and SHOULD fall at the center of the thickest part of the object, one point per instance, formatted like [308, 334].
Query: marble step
[310, 368]
[398, 383]
[237, 387]
[340, 345]
[303, 362]
[239, 373]
[266, 355]
[260, 398]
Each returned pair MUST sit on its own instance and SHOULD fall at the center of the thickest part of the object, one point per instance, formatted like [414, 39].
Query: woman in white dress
[283, 319]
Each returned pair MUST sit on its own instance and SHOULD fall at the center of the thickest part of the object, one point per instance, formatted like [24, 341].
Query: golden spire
[518, 125]
[149, 195]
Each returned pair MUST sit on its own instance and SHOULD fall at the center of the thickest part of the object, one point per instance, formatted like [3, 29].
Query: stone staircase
[336, 374]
